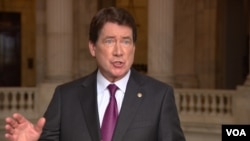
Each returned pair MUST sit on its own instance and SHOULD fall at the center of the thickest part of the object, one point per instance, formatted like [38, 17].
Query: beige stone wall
[40, 40]
[184, 44]
[83, 12]
[195, 43]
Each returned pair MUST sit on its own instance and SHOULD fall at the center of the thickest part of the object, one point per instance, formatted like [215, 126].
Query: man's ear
[92, 48]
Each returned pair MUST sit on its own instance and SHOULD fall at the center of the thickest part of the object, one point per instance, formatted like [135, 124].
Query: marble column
[160, 39]
[59, 50]
[184, 44]
[59, 32]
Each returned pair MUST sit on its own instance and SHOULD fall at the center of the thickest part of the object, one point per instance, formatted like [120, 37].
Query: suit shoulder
[78, 82]
[151, 82]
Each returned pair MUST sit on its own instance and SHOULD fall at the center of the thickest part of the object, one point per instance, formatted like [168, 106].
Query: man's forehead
[112, 29]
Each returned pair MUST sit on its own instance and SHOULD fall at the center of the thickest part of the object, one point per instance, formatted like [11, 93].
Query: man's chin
[119, 74]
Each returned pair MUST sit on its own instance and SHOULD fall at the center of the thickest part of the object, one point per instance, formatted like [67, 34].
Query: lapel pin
[139, 95]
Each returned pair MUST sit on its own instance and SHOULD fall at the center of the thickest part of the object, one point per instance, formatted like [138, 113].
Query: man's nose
[118, 50]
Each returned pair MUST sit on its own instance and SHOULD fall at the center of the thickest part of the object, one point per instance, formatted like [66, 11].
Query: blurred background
[200, 47]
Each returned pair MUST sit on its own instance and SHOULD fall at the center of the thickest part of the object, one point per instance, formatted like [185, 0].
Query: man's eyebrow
[113, 37]
[107, 37]
[127, 37]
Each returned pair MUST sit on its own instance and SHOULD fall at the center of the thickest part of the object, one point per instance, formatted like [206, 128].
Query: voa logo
[236, 132]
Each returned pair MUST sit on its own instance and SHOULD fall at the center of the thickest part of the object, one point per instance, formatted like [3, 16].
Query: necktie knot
[112, 89]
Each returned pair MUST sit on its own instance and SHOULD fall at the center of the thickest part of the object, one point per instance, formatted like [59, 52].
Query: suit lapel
[131, 102]
[132, 99]
[88, 99]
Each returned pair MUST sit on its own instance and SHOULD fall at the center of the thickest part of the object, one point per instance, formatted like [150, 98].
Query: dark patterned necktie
[110, 116]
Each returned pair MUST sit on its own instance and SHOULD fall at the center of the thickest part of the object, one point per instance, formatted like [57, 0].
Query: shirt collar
[102, 82]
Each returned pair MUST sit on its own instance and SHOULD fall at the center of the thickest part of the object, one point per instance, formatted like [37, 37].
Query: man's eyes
[126, 41]
[109, 41]
[113, 41]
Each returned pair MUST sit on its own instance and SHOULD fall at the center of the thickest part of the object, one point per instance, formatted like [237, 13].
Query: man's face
[114, 51]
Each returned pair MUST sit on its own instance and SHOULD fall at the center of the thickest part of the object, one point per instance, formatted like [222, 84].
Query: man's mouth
[117, 64]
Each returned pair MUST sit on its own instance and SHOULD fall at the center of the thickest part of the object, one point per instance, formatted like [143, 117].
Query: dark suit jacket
[72, 114]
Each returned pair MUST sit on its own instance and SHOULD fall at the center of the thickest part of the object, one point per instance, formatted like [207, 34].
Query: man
[146, 107]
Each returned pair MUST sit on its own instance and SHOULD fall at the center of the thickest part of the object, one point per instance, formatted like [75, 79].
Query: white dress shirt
[103, 93]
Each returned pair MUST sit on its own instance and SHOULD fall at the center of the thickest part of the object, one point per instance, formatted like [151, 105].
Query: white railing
[19, 99]
[199, 105]
[194, 105]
